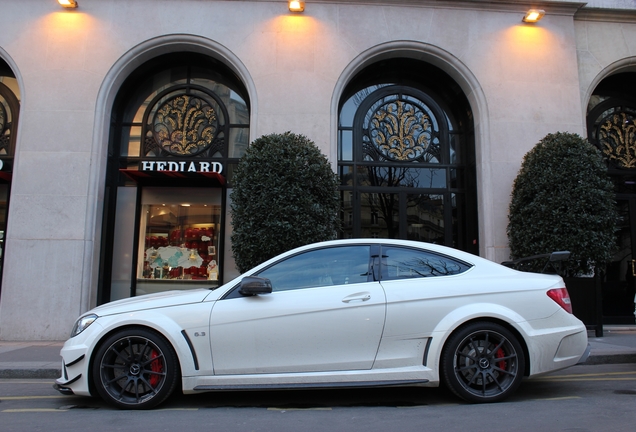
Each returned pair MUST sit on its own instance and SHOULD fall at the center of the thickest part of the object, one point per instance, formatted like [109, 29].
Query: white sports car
[344, 313]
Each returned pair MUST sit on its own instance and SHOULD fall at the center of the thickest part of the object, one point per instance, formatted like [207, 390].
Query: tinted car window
[322, 267]
[404, 263]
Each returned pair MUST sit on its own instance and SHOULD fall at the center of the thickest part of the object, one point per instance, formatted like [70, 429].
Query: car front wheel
[135, 369]
[483, 362]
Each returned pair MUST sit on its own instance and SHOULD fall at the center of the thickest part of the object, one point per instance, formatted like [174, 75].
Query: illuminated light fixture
[296, 6]
[533, 15]
[67, 3]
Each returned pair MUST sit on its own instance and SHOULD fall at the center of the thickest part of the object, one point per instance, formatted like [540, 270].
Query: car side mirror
[253, 285]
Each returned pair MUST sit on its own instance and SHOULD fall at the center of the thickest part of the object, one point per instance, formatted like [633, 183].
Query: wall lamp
[533, 15]
[296, 6]
[67, 3]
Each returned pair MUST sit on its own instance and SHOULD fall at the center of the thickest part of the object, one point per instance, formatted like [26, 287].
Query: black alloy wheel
[135, 369]
[483, 362]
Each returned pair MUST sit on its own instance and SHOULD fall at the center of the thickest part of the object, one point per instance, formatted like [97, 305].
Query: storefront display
[179, 241]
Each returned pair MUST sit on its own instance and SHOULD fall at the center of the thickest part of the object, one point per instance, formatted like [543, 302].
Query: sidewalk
[42, 359]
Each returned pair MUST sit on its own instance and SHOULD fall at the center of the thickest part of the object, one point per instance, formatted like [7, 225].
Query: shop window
[179, 239]
[180, 123]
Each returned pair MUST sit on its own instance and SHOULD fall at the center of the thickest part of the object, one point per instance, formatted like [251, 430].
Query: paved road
[581, 398]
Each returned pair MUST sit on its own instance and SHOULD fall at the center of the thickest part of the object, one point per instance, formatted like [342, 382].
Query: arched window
[611, 127]
[405, 156]
[9, 113]
[180, 123]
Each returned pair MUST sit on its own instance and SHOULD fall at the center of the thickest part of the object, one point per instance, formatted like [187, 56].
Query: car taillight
[562, 297]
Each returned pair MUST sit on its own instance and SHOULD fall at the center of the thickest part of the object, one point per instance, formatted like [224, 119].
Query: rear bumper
[585, 355]
[557, 348]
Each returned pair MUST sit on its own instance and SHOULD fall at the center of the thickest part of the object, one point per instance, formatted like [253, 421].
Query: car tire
[135, 369]
[482, 362]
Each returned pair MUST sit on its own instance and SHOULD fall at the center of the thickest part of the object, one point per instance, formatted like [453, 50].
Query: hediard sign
[181, 166]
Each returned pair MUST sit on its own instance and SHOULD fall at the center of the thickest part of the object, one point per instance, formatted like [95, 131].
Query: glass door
[619, 286]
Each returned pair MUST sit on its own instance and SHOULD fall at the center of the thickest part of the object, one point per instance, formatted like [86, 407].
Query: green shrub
[562, 199]
[284, 195]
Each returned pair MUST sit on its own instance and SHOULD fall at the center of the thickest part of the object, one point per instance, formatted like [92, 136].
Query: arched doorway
[406, 156]
[610, 126]
[179, 124]
[9, 114]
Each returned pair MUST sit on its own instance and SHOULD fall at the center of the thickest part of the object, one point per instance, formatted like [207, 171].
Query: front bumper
[74, 368]
[64, 390]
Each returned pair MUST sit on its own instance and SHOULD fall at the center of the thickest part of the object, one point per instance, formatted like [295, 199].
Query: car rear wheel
[483, 362]
[135, 369]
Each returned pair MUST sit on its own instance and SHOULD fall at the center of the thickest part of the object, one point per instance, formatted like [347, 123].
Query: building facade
[121, 123]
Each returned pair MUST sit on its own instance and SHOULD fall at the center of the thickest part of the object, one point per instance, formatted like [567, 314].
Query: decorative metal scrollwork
[3, 118]
[5, 130]
[185, 125]
[617, 138]
[400, 131]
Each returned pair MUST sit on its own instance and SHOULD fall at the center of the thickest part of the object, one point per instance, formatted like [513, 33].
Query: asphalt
[26, 360]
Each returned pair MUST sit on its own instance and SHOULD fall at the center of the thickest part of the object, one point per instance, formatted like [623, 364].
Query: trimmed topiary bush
[284, 195]
[562, 199]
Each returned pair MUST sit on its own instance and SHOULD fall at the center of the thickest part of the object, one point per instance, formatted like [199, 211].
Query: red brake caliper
[155, 366]
[500, 354]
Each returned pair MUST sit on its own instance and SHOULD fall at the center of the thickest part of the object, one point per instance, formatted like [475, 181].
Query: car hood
[152, 301]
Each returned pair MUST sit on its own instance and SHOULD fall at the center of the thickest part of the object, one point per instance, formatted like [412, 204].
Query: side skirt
[291, 386]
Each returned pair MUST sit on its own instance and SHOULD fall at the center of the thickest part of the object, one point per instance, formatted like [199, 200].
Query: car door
[420, 288]
[325, 314]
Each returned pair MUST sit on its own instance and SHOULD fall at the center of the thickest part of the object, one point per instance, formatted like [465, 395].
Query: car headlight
[82, 324]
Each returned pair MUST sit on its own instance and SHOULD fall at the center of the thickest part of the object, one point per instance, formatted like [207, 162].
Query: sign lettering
[181, 166]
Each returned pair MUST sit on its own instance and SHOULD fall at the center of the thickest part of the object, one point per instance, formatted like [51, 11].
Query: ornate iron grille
[185, 125]
[5, 129]
[616, 136]
[400, 129]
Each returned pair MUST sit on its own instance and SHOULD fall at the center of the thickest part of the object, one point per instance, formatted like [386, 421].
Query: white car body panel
[340, 328]
[376, 332]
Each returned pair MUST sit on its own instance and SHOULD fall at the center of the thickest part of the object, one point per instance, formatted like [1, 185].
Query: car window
[404, 263]
[322, 267]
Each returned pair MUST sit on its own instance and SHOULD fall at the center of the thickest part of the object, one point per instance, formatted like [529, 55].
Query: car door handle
[362, 297]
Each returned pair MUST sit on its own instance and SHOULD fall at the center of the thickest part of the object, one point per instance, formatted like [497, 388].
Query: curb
[600, 359]
[30, 373]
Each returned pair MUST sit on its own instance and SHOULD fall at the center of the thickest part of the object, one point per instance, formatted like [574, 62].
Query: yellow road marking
[177, 409]
[559, 398]
[608, 376]
[30, 397]
[589, 379]
[33, 410]
[298, 409]
[588, 375]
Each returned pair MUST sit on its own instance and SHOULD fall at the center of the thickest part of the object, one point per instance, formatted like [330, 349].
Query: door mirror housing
[253, 285]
